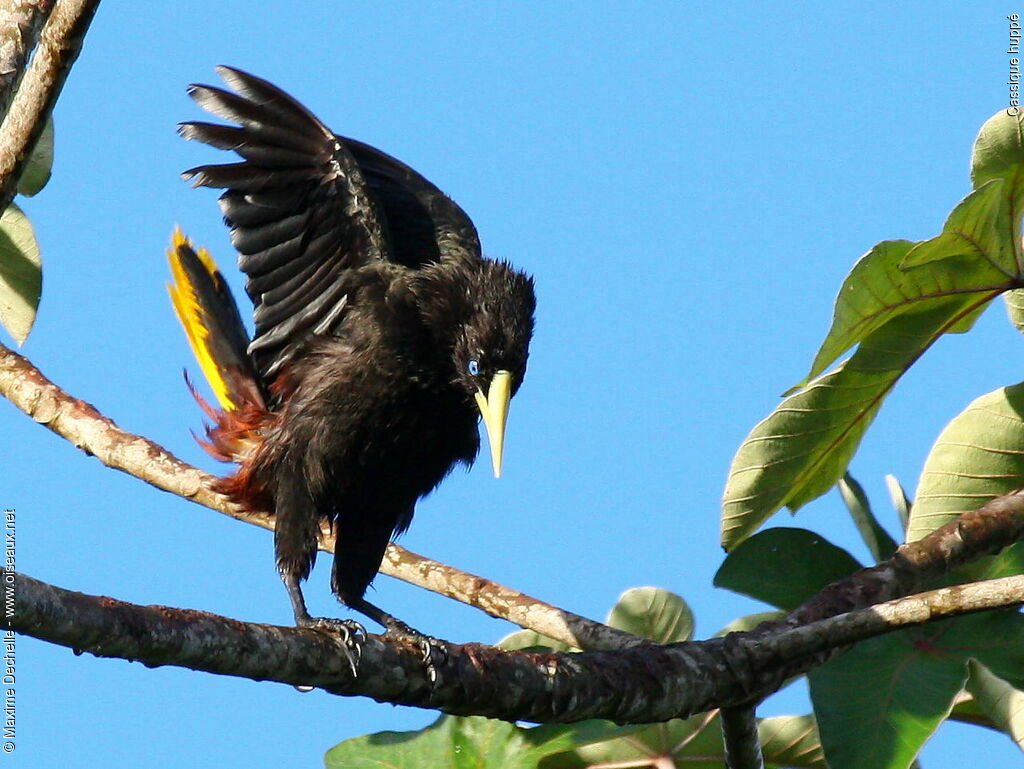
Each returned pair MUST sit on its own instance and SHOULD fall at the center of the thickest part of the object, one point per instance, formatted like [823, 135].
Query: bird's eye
[473, 368]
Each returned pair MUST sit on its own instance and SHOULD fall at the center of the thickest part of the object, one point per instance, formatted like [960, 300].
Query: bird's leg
[349, 630]
[398, 630]
[347, 627]
[393, 625]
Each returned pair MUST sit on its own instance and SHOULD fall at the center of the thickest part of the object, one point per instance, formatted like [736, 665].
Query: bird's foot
[351, 632]
[434, 651]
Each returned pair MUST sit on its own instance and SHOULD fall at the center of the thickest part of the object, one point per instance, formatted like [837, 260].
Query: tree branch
[741, 738]
[996, 525]
[60, 42]
[80, 423]
[20, 24]
[993, 527]
[638, 685]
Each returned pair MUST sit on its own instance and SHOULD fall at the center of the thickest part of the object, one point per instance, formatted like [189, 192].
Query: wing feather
[307, 208]
[299, 211]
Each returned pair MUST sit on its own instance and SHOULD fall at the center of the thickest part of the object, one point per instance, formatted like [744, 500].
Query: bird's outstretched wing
[423, 225]
[306, 207]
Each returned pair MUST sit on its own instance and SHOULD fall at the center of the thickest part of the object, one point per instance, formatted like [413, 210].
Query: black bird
[380, 330]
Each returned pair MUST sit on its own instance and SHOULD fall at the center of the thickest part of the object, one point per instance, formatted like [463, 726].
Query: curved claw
[352, 636]
[429, 646]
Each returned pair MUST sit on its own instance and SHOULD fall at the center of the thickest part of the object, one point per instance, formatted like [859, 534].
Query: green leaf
[40, 163]
[652, 613]
[999, 154]
[784, 567]
[21, 276]
[467, 743]
[971, 230]
[696, 742]
[792, 741]
[994, 638]
[899, 687]
[968, 711]
[895, 303]
[881, 286]
[999, 700]
[1015, 308]
[528, 640]
[900, 500]
[976, 457]
[749, 622]
[878, 540]
[878, 703]
[979, 455]
[803, 448]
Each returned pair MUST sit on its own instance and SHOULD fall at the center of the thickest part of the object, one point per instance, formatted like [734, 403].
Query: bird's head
[486, 312]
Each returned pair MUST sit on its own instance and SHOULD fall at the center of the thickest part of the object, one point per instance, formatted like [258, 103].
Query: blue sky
[689, 185]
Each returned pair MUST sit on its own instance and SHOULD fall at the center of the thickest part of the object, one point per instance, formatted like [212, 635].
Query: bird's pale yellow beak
[494, 410]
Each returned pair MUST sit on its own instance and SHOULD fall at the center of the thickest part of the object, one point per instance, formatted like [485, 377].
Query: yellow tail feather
[190, 313]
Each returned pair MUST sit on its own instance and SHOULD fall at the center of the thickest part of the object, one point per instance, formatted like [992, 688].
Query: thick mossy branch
[643, 684]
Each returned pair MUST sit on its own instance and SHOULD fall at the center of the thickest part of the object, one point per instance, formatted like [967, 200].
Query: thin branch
[80, 423]
[741, 738]
[20, 24]
[60, 42]
[994, 526]
[638, 685]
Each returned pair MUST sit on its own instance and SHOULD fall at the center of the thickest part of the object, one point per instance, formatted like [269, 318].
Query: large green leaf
[973, 253]
[21, 276]
[994, 638]
[467, 743]
[898, 688]
[878, 703]
[803, 448]
[481, 743]
[979, 455]
[784, 567]
[40, 162]
[896, 301]
[1000, 701]
[882, 286]
[968, 711]
[696, 742]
